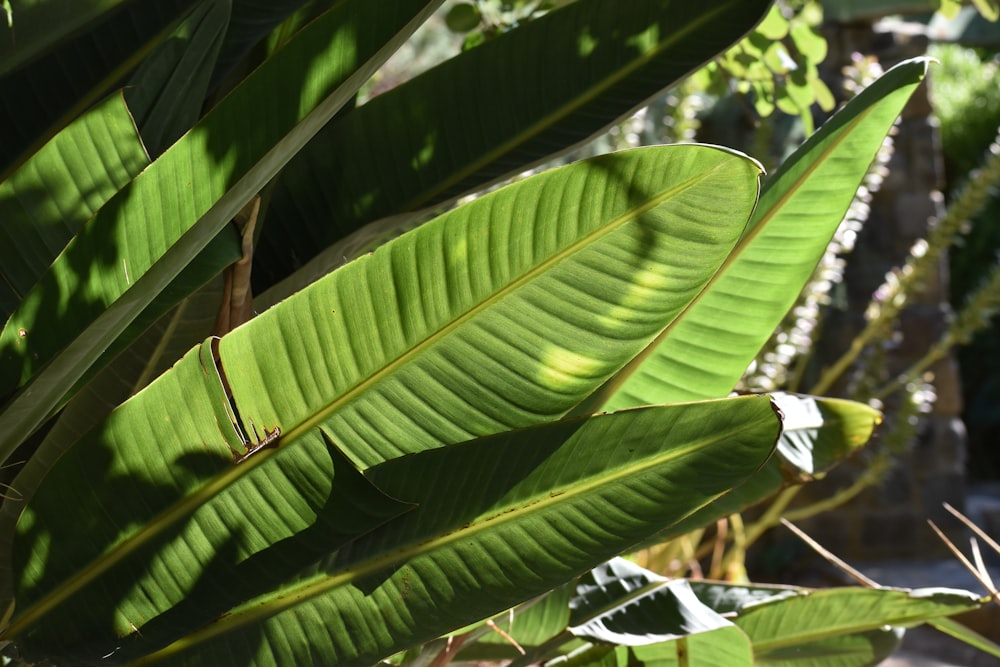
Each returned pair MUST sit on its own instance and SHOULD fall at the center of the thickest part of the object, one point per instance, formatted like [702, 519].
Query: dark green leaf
[167, 93]
[42, 96]
[184, 200]
[462, 17]
[564, 77]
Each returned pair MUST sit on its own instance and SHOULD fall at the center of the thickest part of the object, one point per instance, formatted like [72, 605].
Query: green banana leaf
[645, 618]
[252, 21]
[529, 625]
[88, 47]
[48, 81]
[648, 618]
[731, 647]
[48, 199]
[166, 94]
[621, 603]
[860, 649]
[152, 353]
[835, 626]
[595, 655]
[865, 647]
[846, 427]
[497, 520]
[966, 634]
[164, 99]
[516, 304]
[526, 96]
[186, 198]
[724, 646]
[480, 512]
[37, 25]
[547, 293]
[707, 350]
[625, 605]
[833, 622]
[807, 449]
[821, 432]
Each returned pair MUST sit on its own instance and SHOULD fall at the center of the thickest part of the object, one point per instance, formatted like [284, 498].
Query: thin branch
[965, 561]
[973, 527]
[833, 560]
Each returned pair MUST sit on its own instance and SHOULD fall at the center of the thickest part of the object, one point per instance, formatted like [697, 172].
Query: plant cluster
[251, 421]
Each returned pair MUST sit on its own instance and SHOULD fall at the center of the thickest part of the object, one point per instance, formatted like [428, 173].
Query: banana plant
[407, 444]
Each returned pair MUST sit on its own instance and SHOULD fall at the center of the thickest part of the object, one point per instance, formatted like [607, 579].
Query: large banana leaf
[707, 350]
[497, 521]
[514, 305]
[653, 620]
[622, 603]
[523, 97]
[501, 314]
[649, 620]
[184, 199]
[835, 429]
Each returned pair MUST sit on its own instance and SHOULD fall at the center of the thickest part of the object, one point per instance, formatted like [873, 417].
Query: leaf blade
[448, 568]
[193, 432]
[415, 148]
[703, 356]
[652, 217]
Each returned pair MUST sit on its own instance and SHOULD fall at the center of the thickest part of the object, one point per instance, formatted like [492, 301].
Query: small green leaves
[463, 17]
